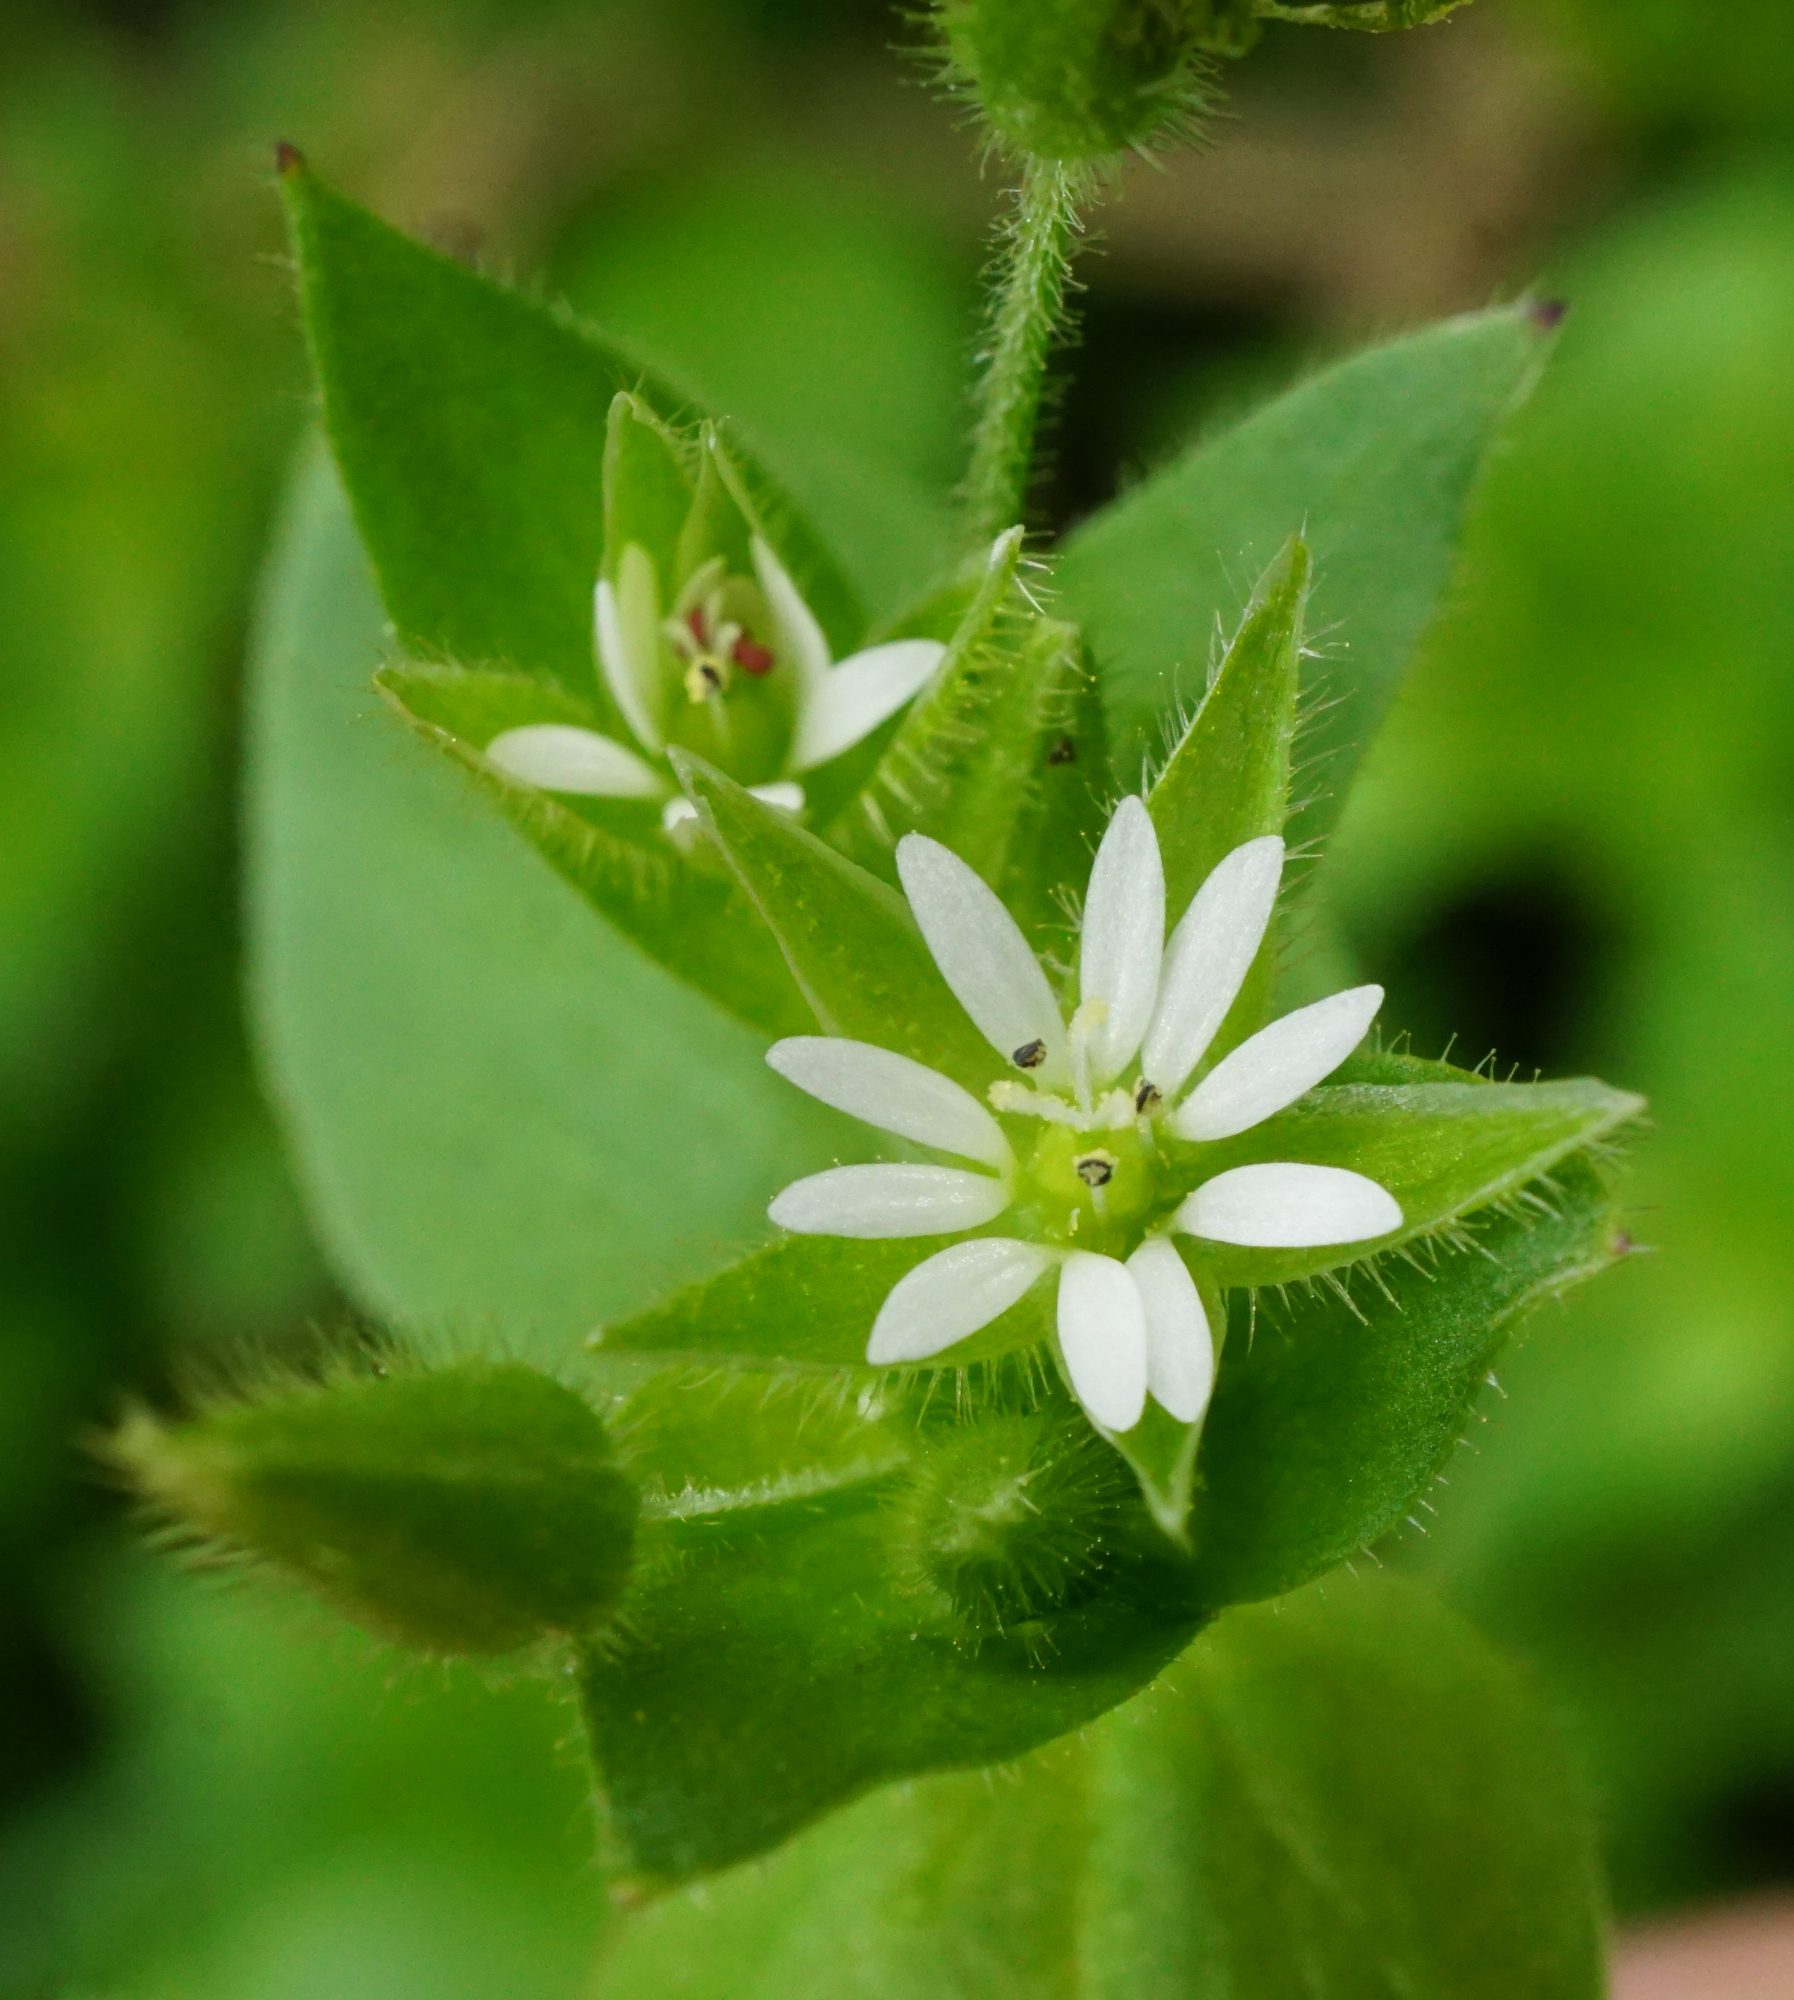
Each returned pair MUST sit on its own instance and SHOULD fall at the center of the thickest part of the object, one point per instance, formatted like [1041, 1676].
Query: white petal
[785, 797]
[559, 758]
[1277, 1065]
[1180, 1351]
[1102, 1334]
[1281, 1206]
[894, 1094]
[889, 1201]
[801, 639]
[1207, 960]
[952, 1295]
[981, 953]
[851, 700]
[629, 645]
[1124, 934]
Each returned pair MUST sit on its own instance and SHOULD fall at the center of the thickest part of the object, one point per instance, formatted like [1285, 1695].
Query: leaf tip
[289, 162]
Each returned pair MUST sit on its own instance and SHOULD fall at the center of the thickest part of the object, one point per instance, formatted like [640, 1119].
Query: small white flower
[1105, 1087]
[723, 638]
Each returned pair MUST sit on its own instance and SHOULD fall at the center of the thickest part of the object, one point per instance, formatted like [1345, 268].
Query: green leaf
[1373, 461]
[472, 1509]
[470, 424]
[505, 1119]
[774, 1661]
[1348, 1794]
[696, 922]
[1331, 1419]
[1444, 1150]
[849, 939]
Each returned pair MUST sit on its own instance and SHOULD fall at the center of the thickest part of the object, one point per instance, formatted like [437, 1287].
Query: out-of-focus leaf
[1349, 1793]
[1373, 462]
[506, 1119]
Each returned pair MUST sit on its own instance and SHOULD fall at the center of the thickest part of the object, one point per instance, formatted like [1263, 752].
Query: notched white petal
[629, 645]
[1277, 1065]
[802, 640]
[558, 757]
[1280, 1205]
[951, 1296]
[1123, 937]
[880, 1201]
[1180, 1348]
[1102, 1335]
[848, 702]
[893, 1093]
[1207, 960]
[982, 955]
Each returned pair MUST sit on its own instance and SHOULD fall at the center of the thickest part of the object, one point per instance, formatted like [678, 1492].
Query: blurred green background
[1575, 846]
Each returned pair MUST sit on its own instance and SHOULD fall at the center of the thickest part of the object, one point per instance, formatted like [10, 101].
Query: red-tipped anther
[1548, 314]
[288, 159]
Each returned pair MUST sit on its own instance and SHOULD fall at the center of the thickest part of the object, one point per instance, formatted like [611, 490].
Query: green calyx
[472, 1509]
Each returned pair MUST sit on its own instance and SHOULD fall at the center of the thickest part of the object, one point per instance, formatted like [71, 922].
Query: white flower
[1105, 1088]
[725, 637]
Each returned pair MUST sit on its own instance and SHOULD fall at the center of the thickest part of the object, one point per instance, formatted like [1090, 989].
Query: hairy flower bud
[468, 1510]
[1078, 79]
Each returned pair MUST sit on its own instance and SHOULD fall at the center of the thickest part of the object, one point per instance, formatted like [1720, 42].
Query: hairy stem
[1031, 271]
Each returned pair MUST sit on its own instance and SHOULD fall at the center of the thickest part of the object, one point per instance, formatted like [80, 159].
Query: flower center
[1089, 1191]
[737, 711]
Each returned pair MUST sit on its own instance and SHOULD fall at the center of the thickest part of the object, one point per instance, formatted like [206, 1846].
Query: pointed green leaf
[1373, 461]
[850, 941]
[1331, 1419]
[470, 424]
[1444, 1150]
[1228, 779]
[696, 922]
[504, 1116]
[471, 1509]
[1349, 1794]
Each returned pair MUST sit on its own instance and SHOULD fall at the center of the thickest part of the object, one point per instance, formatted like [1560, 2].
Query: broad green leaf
[469, 1509]
[694, 920]
[1331, 1419]
[1444, 1150]
[1348, 1794]
[1228, 779]
[782, 1659]
[849, 939]
[470, 425]
[506, 1120]
[1373, 461]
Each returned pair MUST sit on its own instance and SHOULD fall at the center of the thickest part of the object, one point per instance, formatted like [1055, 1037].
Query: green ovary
[1062, 1197]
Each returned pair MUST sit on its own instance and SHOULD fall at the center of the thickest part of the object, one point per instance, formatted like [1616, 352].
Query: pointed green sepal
[850, 941]
[472, 1509]
[647, 487]
[1162, 1449]
[696, 922]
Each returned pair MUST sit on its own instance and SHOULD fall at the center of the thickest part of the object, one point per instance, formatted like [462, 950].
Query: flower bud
[1077, 79]
[471, 1509]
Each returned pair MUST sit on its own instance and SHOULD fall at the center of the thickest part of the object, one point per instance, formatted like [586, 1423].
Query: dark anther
[1095, 1169]
[1065, 751]
[1148, 1098]
[1030, 1055]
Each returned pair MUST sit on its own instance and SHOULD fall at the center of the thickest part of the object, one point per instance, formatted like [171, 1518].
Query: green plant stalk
[1032, 271]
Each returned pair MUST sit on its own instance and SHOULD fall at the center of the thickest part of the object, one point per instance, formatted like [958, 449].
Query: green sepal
[647, 488]
[697, 923]
[1445, 1150]
[1228, 779]
[849, 939]
[1333, 1415]
[1349, 1794]
[808, 1302]
[471, 1509]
